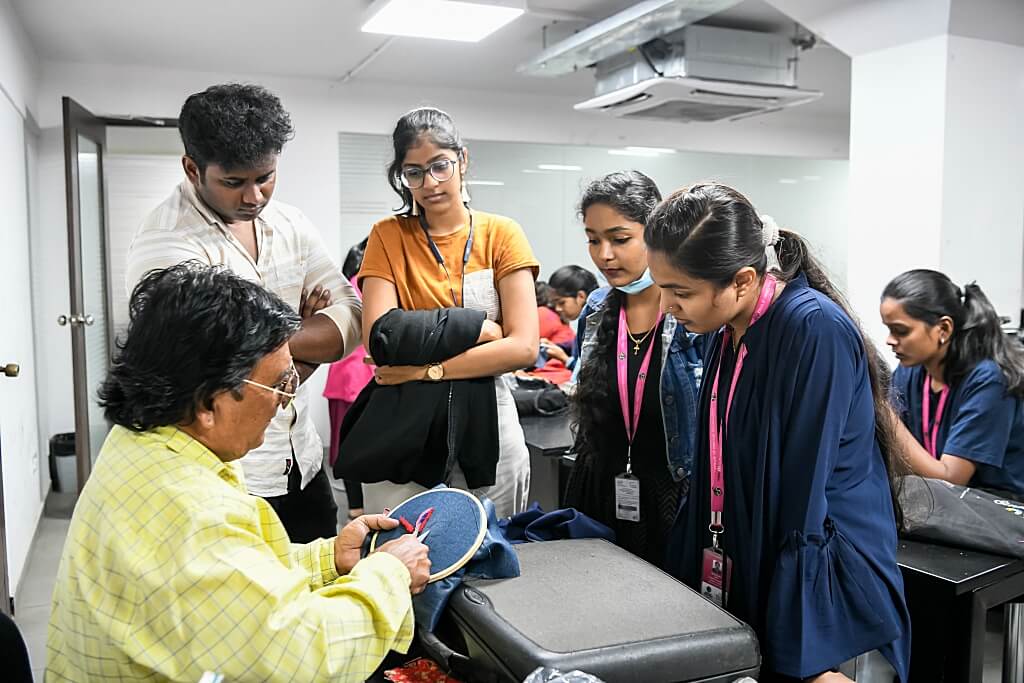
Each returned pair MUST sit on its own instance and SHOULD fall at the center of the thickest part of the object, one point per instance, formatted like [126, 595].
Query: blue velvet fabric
[534, 524]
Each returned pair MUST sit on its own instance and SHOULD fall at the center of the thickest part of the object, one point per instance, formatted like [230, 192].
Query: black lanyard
[440, 259]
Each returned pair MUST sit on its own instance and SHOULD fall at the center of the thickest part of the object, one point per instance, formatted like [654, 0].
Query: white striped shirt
[291, 256]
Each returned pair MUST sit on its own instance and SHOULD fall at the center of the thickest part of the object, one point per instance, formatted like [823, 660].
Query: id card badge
[627, 498]
[715, 576]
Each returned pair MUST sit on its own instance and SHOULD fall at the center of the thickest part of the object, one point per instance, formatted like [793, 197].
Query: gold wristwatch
[435, 372]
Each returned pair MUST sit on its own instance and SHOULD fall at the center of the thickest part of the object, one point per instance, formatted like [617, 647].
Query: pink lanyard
[929, 433]
[631, 421]
[716, 432]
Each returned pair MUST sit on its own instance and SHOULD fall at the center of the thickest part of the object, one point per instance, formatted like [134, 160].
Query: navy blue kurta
[981, 423]
[808, 517]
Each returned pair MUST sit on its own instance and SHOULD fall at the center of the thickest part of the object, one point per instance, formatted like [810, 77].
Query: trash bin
[63, 464]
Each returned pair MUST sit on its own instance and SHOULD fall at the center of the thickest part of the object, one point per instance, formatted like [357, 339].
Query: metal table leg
[1013, 643]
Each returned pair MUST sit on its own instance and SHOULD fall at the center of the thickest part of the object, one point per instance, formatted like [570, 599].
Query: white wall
[936, 171]
[983, 174]
[897, 123]
[19, 427]
[19, 66]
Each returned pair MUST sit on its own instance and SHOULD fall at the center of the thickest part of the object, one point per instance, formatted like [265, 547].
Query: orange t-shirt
[397, 251]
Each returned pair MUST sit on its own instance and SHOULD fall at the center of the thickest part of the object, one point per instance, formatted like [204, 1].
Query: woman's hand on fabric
[553, 350]
[391, 375]
[490, 331]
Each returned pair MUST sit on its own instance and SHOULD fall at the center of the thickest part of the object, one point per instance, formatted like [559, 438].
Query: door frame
[80, 121]
[77, 121]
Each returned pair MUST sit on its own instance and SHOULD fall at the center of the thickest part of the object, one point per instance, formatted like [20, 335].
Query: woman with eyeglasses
[437, 253]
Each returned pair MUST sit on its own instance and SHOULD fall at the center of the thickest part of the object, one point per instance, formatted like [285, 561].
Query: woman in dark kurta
[807, 514]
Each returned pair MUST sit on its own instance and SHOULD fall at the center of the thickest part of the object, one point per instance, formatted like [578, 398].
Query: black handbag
[534, 396]
[976, 519]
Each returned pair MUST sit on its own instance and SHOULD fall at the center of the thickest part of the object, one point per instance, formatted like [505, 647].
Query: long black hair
[438, 127]
[634, 195]
[712, 231]
[571, 280]
[194, 331]
[928, 296]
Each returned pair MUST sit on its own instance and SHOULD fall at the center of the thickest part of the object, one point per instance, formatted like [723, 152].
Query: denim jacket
[681, 372]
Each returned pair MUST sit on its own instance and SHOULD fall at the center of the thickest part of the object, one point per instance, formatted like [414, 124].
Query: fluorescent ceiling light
[788, 181]
[652, 150]
[635, 151]
[485, 182]
[441, 19]
[632, 153]
[558, 167]
[534, 170]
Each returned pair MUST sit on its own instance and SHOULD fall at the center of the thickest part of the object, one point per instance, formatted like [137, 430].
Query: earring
[465, 194]
[942, 340]
[415, 211]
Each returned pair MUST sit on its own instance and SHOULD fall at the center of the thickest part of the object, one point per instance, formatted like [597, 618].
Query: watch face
[435, 372]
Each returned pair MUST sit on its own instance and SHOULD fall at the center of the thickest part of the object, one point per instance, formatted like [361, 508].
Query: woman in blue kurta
[802, 483]
[959, 386]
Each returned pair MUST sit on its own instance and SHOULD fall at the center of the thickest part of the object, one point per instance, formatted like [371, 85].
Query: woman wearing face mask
[438, 253]
[959, 384]
[789, 520]
[570, 286]
[634, 437]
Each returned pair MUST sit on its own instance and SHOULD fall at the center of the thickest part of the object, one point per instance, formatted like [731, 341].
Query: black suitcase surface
[587, 604]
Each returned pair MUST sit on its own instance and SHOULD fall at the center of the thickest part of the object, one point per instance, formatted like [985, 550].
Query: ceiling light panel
[440, 19]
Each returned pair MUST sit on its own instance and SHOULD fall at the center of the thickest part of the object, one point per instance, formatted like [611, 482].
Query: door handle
[11, 370]
[75, 319]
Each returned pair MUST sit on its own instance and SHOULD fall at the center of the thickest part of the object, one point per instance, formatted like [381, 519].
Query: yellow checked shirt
[171, 569]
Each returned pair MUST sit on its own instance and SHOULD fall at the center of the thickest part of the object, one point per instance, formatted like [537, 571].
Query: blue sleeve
[899, 392]
[980, 429]
[827, 602]
[581, 331]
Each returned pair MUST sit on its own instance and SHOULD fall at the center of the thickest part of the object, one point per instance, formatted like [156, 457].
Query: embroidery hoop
[438, 515]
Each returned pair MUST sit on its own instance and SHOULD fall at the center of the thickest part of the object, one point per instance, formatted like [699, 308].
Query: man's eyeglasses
[285, 389]
[440, 170]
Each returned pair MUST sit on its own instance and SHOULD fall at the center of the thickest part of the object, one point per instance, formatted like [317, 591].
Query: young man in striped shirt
[222, 214]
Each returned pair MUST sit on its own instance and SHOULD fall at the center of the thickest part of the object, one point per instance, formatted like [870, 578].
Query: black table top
[548, 434]
[964, 570]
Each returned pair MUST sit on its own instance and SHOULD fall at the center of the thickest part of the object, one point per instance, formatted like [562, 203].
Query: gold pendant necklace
[638, 342]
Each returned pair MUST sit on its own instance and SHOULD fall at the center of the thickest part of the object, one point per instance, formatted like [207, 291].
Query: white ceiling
[321, 39]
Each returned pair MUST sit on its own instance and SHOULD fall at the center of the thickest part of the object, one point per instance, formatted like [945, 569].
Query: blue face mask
[638, 285]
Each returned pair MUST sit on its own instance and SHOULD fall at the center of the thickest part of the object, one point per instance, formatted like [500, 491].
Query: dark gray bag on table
[960, 516]
[587, 604]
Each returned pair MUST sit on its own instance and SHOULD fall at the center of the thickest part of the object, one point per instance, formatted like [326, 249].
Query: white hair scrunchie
[770, 237]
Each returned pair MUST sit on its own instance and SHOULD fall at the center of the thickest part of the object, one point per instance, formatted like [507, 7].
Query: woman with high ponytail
[960, 383]
[790, 520]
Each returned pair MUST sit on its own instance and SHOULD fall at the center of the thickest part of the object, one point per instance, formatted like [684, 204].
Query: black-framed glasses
[441, 170]
[285, 389]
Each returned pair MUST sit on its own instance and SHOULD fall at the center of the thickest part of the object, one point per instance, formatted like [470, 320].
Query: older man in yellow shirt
[170, 568]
